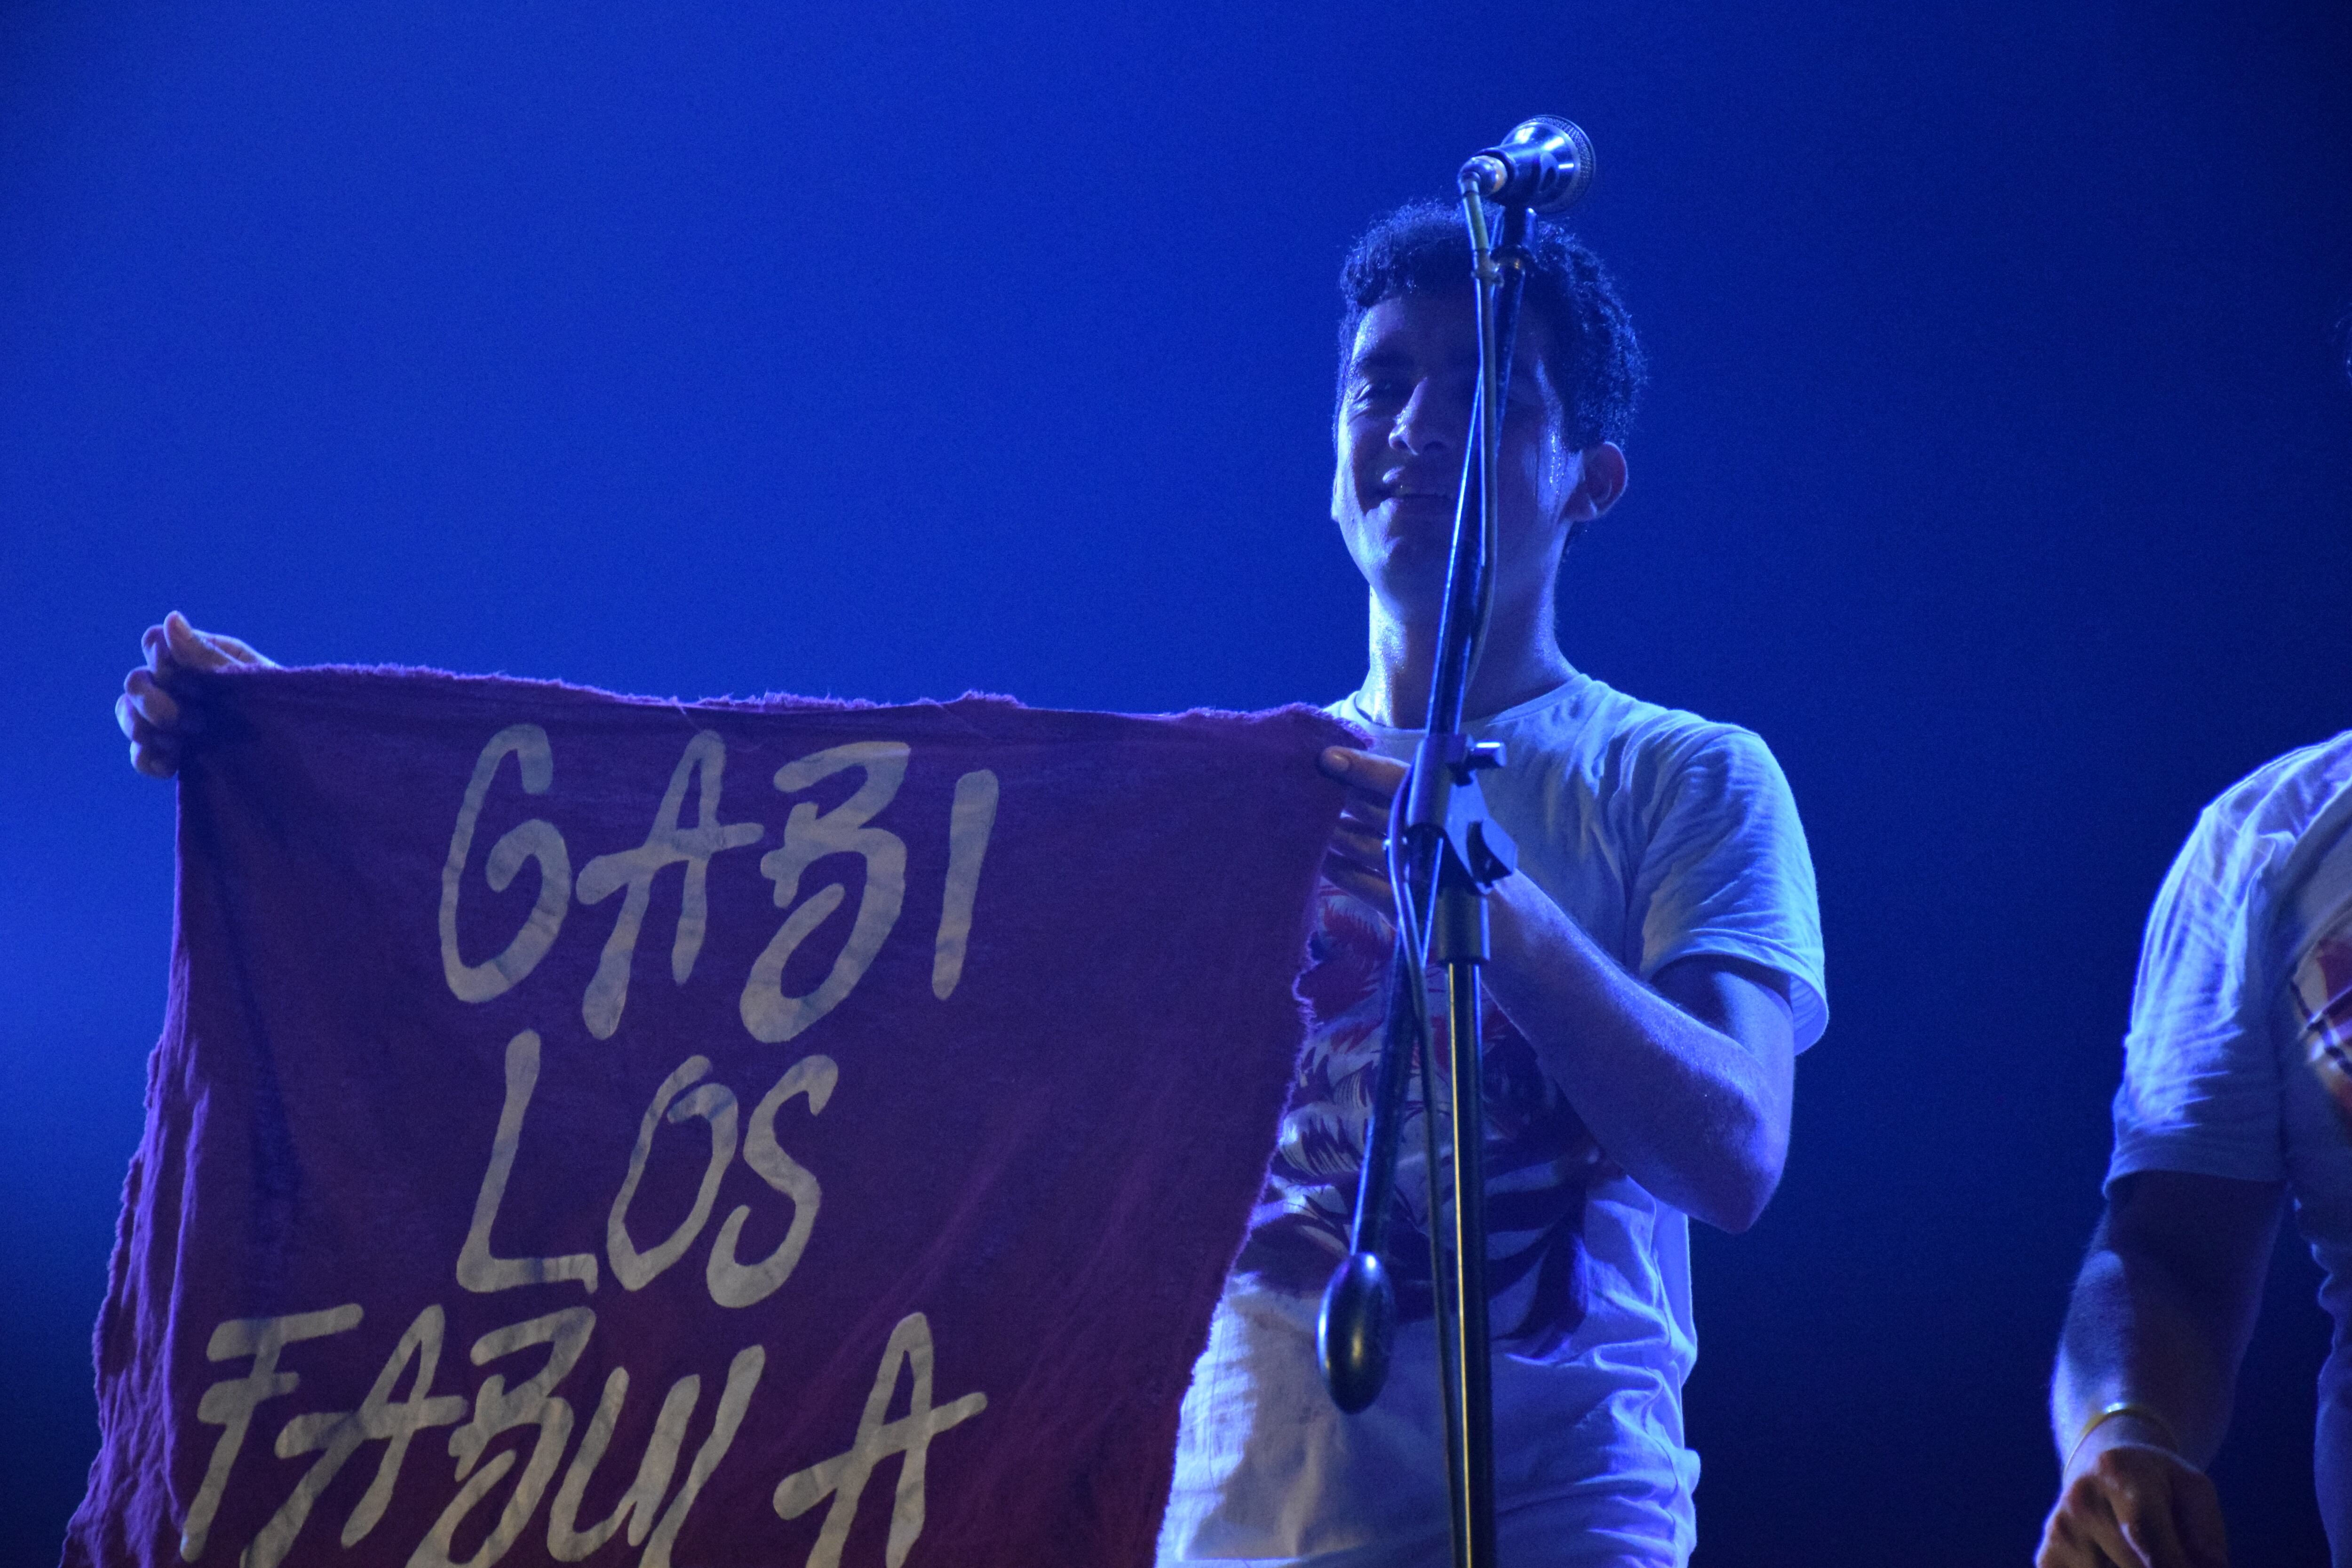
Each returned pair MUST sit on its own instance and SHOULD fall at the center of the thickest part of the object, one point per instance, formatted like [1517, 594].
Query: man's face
[1404, 416]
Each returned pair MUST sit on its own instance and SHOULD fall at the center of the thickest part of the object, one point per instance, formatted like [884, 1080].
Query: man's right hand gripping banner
[598, 1130]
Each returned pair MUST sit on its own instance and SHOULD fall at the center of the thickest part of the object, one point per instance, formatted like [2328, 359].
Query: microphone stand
[1444, 854]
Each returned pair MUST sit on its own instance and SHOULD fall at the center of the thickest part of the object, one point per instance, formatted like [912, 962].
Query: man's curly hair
[1591, 351]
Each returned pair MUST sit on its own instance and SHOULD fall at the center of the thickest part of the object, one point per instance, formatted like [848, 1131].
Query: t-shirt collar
[1353, 708]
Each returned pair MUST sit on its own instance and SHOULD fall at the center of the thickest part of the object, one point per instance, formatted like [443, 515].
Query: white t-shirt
[2235, 1063]
[1666, 837]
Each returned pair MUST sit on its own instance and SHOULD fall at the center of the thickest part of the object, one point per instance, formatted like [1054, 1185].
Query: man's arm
[1686, 1086]
[2159, 1320]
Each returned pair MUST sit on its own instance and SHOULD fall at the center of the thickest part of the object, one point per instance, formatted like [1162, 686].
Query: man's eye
[1370, 393]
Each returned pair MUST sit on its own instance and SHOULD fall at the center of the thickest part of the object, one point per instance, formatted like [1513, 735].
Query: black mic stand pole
[1444, 854]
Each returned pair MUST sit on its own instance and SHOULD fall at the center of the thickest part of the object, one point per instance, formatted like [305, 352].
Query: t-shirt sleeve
[2200, 1090]
[1725, 868]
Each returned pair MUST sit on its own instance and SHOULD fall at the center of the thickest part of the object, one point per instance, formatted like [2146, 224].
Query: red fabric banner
[597, 1129]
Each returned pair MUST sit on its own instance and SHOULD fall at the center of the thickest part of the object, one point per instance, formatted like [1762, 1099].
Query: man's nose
[1424, 425]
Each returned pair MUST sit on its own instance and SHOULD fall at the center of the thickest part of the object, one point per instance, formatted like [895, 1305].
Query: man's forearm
[2163, 1308]
[2131, 1338]
[1699, 1117]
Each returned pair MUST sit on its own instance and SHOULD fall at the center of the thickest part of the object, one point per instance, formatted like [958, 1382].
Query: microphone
[1545, 165]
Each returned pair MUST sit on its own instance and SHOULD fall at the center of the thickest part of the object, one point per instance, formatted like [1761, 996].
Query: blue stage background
[1996, 469]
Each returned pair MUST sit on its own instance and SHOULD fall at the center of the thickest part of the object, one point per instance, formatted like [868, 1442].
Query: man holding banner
[1656, 966]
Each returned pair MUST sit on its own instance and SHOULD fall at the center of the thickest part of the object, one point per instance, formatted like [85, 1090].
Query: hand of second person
[2135, 1505]
[156, 722]
[1358, 860]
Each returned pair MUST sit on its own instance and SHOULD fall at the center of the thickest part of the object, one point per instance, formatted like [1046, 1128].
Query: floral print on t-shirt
[1541, 1160]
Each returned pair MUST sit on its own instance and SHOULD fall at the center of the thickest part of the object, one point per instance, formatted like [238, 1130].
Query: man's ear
[1602, 482]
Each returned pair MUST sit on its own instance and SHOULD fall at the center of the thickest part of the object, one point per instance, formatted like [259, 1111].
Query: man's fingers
[1351, 878]
[1376, 777]
[2143, 1511]
[152, 752]
[2165, 1511]
[2106, 1544]
[2064, 1543]
[242, 651]
[156, 761]
[152, 720]
[1365, 822]
[1369, 881]
[2082, 1531]
[2069, 1542]
[145, 697]
[205, 650]
[2137, 1506]
[1365, 855]
[185, 644]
